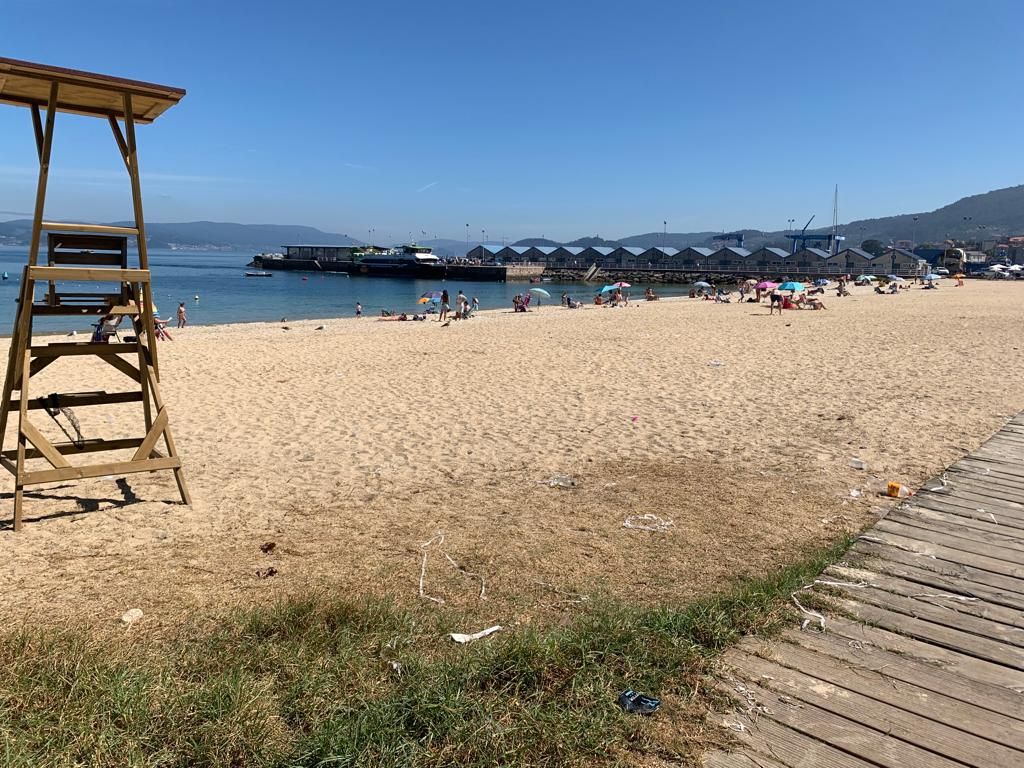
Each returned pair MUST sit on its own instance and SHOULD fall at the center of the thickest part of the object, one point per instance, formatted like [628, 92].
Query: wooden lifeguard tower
[89, 253]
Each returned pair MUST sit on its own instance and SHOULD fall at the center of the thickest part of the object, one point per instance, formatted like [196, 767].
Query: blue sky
[530, 118]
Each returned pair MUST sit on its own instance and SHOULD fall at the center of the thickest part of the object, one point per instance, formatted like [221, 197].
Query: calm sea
[225, 295]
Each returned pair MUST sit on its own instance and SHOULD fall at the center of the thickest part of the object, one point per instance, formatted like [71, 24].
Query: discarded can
[898, 490]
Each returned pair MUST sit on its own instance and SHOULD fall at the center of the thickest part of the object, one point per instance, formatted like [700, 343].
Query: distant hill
[536, 242]
[988, 216]
[206, 234]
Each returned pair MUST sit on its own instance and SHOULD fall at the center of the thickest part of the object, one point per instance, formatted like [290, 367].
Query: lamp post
[913, 236]
[467, 238]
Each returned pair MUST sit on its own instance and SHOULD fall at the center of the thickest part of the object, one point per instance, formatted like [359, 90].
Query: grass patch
[310, 682]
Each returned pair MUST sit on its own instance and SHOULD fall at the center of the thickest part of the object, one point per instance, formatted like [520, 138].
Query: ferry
[416, 261]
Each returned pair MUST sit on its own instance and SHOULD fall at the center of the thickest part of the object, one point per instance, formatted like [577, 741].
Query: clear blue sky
[532, 117]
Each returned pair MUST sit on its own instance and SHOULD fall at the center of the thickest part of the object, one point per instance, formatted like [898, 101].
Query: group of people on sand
[521, 303]
[464, 308]
[615, 298]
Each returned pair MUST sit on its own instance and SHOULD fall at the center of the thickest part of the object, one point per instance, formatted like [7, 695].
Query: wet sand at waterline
[352, 446]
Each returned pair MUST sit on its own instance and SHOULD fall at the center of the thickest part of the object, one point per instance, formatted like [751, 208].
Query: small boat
[259, 274]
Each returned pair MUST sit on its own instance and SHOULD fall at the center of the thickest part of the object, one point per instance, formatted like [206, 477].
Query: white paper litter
[130, 616]
[460, 638]
[647, 523]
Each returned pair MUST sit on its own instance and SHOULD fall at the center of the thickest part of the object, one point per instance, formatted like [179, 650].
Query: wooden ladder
[89, 258]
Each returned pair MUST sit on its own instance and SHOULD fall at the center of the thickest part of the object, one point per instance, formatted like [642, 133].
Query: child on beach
[182, 317]
[359, 309]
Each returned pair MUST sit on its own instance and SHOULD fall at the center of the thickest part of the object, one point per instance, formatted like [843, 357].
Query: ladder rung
[98, 274]
[98, 470]
[88, 446]
[83, 348]
[103, 229]
[81, 399]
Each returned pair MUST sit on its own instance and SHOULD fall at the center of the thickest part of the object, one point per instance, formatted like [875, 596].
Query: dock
[920, 663]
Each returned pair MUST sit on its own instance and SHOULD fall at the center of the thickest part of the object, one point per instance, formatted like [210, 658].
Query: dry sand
[350, 447]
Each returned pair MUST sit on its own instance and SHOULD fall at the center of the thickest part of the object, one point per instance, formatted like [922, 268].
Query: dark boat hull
[416, 271]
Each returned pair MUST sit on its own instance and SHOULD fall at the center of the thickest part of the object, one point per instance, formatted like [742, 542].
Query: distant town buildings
[727, 260]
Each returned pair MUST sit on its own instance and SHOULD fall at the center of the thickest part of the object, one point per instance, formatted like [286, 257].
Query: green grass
[308, 682]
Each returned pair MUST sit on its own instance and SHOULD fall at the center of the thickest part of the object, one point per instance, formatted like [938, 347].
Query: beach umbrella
[896, 278]
[866, 277]
[766, 285]
[607, 288]
[821, 282]
[960, 275]
[932, 277]
[1016, 268]
[792, 285]
[431, 295]
[701, 284]
[541, 292]
[621, 284]
[751, 281]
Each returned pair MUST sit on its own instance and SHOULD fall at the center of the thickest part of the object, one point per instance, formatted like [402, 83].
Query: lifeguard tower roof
[24, 83]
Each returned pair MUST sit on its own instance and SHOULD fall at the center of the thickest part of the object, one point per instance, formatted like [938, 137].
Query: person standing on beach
[776, 299]
[444, 306]
[359, 309]
[182, 317]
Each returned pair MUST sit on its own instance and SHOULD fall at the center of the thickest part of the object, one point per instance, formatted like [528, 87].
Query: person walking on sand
[444, 306]
[359, 309]
[182, 317]
[776, 299]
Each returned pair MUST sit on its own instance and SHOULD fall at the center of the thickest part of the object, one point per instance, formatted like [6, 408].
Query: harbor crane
[737, 236]
[803, 238]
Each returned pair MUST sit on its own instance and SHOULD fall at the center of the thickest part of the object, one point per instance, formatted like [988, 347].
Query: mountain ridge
[988, 215]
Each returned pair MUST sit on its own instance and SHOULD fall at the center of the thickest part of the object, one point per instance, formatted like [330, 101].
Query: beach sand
[352, 446]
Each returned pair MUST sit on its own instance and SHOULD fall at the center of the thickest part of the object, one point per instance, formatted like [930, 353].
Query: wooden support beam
[100, 229]
[98, 470]
[37, 127]
[97, 274]
[119, 138]
[123, 366]
[155, 433]
[95, 445]
[45, 447]
[97, 259]
[44, 172]
[39, 363]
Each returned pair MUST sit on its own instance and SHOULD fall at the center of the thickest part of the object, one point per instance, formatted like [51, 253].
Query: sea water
[226, 295]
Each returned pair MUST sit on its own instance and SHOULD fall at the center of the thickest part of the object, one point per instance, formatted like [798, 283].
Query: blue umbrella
[607, 288]
[896, 278]
[792, 285]
[821, 282]
[933, 277]
[701, 284]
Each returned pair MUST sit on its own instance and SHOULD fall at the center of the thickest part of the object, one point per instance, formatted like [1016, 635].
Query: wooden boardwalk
[921, 664]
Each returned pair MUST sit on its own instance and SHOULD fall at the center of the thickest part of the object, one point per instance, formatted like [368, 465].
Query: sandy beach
[352, 446]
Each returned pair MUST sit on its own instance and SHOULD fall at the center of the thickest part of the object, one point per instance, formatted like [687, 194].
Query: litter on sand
[130, 616]
[638, 704]
[858, 463]
[647, 523]
[561, 481]
[460, 638]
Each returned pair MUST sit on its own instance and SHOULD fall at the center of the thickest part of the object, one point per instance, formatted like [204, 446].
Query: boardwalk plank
[938, 580]
[950, 661]
[1003, 535]
[937, 634]
[741, 760]
[928, 548]
[1005, 584]
[766, 737]
[949, 710]
[883, 718]
[975, 507]
[930, 676]
[969, 605]
[950, 613]
[843, 734]
[951, 540]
